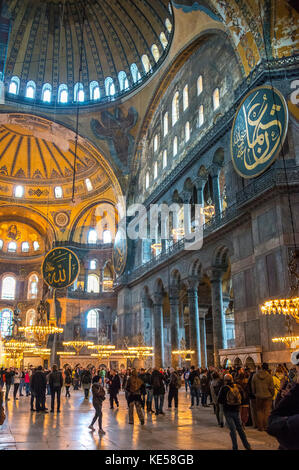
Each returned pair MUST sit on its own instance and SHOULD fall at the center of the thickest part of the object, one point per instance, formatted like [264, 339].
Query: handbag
[2, 415]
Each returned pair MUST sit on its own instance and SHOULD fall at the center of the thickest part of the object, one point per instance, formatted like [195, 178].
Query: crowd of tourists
[265, 399]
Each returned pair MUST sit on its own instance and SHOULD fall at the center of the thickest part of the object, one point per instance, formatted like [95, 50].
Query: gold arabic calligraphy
[59, 269]
[257, 143]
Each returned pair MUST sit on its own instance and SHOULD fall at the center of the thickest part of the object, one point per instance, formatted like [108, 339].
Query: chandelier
[77, 345]
[183, 353]
[40, 332]
[288, 340]
[140, 352]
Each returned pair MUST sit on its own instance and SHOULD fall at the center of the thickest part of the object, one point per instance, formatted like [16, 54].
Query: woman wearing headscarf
[135, 387]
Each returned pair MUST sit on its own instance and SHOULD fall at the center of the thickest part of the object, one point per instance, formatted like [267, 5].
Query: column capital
[157, 298]
[215, 274]
[192, 284]
[214, 170]
[202, 312]
[186, 196]
[174, 295]
[200, 182]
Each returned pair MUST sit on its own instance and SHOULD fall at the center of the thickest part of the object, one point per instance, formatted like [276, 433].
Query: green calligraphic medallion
[259, 130]
[60, 268]
[120, 251]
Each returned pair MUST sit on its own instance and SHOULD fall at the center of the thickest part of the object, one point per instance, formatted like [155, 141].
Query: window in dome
[25, 247]
[146, 63]
[187, 131]
[175, 108]
[107, 237]
[31, 318]
[165, 124]
[46, 93]
[88, 184]
[79, 92]
[169, 8]
[155, 170]
[14, 86]
[92, 319]
[58, 192]
[216, 98]
[155, 143]
[165, 159]
[200, 116]
[135, 73]
[93, 284]
[12, 247]
[19, 191]
[199, 85]
[155, 52]
[175, 146]
[1, 244]
[147, 180]
[123, 80]
[94, 90]
[35, 245]
[163, 40]
[168, 25]
[93, 264]
[92, 236]
[109, 87]
[33, 287]
[63, 93]
[185, 98]
[30, 90]
[6, 316]
[8, 288]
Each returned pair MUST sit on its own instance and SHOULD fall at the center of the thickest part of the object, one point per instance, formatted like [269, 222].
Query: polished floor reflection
[185, 429]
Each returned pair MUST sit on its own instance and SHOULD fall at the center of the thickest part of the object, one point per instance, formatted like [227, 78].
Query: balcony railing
[83, 246]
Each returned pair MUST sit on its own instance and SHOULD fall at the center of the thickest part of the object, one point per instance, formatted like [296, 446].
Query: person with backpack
[86, 382]
[242, 382]
[149, 391]
[231, 399]
[186, 379]
[194, 382]
[98, 396]
[204, 388]
[174, 386]
[215, 386]
[158, 391]
[135, 388]
[55, 384]
[114, 388]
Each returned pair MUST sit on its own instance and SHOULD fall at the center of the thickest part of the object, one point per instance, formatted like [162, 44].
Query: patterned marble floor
[184, 429]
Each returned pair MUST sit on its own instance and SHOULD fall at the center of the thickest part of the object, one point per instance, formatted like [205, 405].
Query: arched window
[165, 159]
[123, 80]
[12, 247]
[31, 317]
[155, 143]
[216, 98]
[107, 237]
[19, 191]
[175, 146]
[88, 184]
[8, 288]
[108, 277]
[187, 131]
[185, 98]
[109, 87]
[14, 86]
[93, 284]
[35, 245]
[135, 73]
[146, 63]
[199, 85]
[200, 116]
[155, 170]
[92, 236]
[46, 93]
[58, 192]
[25, 247]
[165, 124]
[33, 286]
[168, 25]
[92, 319]
[93, 264]
[94, 90]
[163, 40]
[1, 244]
[147, 180]
[30, 89]
[79, 92]
[6, 316]
[175, 108]
[155, 52]
[63, 94]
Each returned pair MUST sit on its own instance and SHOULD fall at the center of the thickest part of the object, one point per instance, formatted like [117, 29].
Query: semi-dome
[123, 43]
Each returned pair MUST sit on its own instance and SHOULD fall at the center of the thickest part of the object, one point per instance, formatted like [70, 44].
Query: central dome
[124, 42]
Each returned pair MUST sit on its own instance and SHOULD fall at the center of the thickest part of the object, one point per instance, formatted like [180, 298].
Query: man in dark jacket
[142, 376]
[158, 391]
[284, 420]
[55, 383]
[98, 396]
[114, 388]
[9, 373]
[38, 385]
[174, 386]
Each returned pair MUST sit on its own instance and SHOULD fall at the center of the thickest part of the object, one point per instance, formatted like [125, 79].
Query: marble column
[86, 278]
[219, 326]
[186, 196]
[203, 337]
[216, 190]
[158, 330]
[174, 324]
[194, 334]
